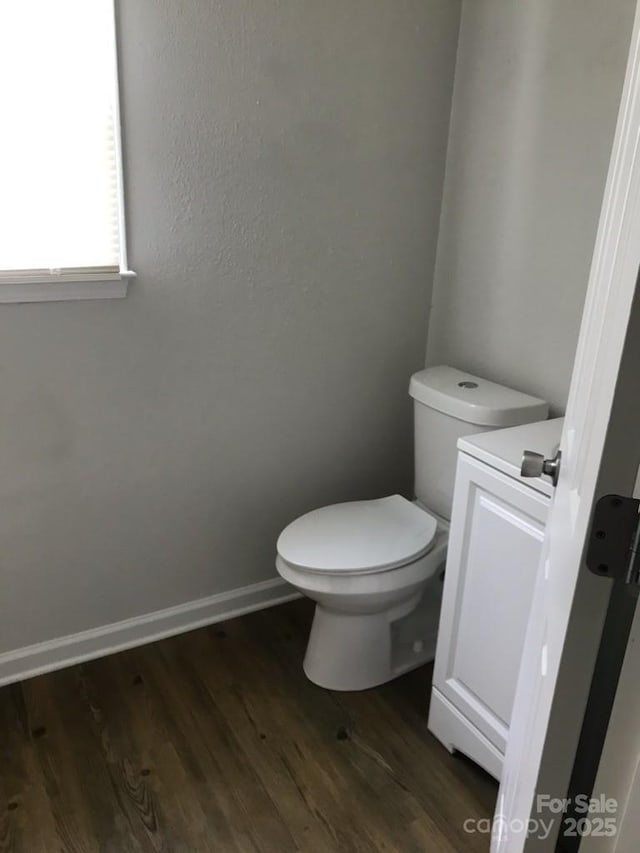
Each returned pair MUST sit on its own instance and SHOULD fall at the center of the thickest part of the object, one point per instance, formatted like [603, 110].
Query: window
[61, 204]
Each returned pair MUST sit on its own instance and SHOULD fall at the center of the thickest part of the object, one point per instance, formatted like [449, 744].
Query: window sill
[65, 287]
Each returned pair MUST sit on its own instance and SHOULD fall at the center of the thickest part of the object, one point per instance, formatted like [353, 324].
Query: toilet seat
[359, 537]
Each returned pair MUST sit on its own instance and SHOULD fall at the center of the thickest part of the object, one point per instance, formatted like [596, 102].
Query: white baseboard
[33, 660]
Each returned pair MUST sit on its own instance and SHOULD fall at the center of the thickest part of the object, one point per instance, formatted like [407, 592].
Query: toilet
[375, 568]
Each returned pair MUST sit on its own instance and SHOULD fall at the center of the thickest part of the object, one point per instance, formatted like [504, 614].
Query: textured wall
[536, 96]
[284, 173]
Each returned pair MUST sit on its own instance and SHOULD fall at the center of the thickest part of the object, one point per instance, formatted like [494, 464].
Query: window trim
[66, 286]
[84, 282]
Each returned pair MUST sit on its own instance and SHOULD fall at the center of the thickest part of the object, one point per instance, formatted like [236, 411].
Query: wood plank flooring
[215, 741]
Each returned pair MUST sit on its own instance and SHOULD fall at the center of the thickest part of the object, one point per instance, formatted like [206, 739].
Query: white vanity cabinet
[495, 543]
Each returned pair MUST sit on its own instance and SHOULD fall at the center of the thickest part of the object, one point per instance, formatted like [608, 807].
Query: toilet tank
[448, 404]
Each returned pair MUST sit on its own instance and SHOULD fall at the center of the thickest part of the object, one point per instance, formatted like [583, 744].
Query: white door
[600, 453]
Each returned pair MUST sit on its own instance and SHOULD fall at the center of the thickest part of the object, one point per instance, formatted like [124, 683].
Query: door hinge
[614, 540]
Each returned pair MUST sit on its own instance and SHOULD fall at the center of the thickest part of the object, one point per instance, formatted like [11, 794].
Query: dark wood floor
[215, 741]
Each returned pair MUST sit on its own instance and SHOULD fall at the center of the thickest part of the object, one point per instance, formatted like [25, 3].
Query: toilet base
[348, 651]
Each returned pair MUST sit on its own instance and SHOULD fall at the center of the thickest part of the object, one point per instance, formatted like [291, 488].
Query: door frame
[541, 751]
[618, 778]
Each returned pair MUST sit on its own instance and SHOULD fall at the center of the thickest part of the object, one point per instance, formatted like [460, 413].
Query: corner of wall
[431, 346]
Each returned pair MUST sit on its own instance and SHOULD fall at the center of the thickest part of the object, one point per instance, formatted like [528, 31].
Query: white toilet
[375, 568]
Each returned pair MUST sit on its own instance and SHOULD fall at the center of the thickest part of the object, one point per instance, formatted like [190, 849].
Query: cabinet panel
[497, 529]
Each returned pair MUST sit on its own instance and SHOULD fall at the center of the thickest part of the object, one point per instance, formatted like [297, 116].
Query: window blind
[60, 195]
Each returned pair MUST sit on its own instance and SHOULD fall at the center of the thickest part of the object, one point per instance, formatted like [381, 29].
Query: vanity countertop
[502, 449]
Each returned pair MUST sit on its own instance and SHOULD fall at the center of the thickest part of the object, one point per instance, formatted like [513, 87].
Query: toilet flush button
[467, 384]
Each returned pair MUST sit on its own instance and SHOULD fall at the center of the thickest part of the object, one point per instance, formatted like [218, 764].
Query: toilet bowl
[375, 568]
[367, 565]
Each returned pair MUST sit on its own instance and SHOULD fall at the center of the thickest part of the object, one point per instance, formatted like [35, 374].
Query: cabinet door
[497, 528]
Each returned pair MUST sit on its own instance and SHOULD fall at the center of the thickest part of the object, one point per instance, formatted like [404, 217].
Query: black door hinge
[614, 539]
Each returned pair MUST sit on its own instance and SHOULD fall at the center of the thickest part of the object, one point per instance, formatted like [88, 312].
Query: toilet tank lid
[474, 400]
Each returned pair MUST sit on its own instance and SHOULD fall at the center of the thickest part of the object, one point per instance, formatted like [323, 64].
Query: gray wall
[536, 95]
[284, 173]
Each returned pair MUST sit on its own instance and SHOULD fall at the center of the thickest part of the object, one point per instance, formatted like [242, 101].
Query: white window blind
[60, 180]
